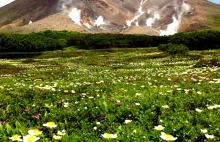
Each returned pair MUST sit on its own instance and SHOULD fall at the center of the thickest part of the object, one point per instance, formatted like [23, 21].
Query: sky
[5, 2]
[215, 1]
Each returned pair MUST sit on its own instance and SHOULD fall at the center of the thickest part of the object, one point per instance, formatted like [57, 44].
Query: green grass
[110, 87]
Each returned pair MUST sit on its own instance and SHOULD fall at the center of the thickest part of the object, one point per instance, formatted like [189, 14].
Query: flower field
[118, 95]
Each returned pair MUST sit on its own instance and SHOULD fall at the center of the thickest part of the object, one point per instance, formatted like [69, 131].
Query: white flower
[66, 104]
[198, 110]
[50, 124]
[212, 107]
[30, 138]
[109, 136]
[138, 94]
[137, 104]
[15, 138]
[72, 91]
[217, 106]
[61, 133]
[159, 127]
[76, 102]
[199, 92]
[167, 137]
[98, 123]
[95, 128]
[57, 137]
[209, 136]
[127, 121]
[34, 132]
[165, 106]
[204, 130]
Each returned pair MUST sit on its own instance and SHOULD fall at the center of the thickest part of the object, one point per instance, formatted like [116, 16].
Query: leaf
[1, 128]
[8, 129]
[8, 108]
[17, 124]
[106, 106]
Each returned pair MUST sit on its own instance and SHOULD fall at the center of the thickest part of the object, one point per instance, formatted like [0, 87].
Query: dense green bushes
[173, 48]
[202, 40]
[53, 40]
[29, 43]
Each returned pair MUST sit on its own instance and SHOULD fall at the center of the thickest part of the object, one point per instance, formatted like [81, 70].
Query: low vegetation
[173, 48]
[138, 94]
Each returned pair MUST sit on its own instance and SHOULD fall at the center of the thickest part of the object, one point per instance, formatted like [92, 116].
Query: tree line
[56, 40]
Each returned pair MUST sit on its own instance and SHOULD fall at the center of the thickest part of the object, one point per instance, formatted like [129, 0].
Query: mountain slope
[153, 16]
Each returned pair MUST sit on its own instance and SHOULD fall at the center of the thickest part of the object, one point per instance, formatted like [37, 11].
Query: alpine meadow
[109, 71]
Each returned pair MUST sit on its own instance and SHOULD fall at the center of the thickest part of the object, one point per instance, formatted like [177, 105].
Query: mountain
[116, 16]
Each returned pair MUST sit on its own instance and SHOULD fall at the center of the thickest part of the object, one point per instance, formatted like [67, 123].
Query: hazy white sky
[5, 2]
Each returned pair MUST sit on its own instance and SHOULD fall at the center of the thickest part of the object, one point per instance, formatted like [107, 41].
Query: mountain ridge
[110, 16]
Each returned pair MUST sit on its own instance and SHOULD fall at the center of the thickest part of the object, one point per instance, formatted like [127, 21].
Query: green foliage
[202, 40]
[57, 40]
[173, 48]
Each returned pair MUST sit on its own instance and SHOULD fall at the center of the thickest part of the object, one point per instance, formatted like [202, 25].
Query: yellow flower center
[30, 139]
[60, 133]
[15, 137]
[168, 136]
[57, 137]
[160, 128]
[50, 124]
[36, 131]
[107, 136]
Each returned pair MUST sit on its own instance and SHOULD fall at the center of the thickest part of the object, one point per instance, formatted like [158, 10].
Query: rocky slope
[117, 16]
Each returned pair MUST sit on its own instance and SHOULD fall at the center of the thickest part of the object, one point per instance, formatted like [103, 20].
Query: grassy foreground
[117, 95]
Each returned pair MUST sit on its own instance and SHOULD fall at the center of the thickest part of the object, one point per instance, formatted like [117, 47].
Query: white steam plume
[150, 21]
[140, 11]
[99, 21]
[64, 4]
[173, 27]
[75, 16]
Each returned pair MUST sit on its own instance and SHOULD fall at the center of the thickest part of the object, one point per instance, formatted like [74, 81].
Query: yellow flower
[109, 136]
[50, 124]
[61, 133]
[167, 137]
[34, 132]
[15, 138]
[159, 127]
[57, 137]
[30, 138]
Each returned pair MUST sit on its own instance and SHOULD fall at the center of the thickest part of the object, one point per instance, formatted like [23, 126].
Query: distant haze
[5, 2]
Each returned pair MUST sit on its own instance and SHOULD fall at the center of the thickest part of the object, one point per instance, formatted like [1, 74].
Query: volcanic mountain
[152, 17]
